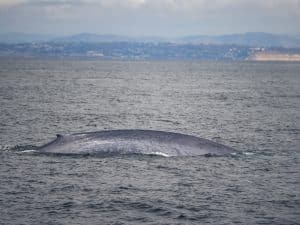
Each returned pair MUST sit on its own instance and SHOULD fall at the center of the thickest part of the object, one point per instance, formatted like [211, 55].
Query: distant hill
[256, 39]
[89, 37]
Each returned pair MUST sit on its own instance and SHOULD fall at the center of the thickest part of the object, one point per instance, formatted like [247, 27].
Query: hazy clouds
[149, 17]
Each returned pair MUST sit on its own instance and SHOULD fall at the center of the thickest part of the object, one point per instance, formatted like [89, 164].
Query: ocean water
[253, 107]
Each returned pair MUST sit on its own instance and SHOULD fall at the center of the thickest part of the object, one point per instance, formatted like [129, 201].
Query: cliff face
[272, 56]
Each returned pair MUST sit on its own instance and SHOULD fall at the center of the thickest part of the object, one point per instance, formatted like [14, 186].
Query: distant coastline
[149, 51]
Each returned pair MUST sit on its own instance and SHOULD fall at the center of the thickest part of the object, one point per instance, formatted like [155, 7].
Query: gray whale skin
[148, 142]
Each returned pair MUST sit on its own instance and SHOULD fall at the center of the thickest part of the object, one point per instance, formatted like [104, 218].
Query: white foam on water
[249, 153]
[28, 151]
[160, 154]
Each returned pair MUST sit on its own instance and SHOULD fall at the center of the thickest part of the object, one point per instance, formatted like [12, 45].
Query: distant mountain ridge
[255, 39]
[103, 38]
[258, 39]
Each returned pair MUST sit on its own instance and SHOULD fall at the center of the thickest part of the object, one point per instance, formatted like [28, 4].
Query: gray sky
[150, 17]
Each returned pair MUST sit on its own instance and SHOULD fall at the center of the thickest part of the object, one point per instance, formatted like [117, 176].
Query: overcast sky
[150, 17]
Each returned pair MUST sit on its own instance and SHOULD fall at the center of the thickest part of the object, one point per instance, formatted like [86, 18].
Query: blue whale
[148, 142]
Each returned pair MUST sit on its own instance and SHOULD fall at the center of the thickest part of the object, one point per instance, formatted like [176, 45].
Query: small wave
[96, 154]
[23, 148]
[5, 148]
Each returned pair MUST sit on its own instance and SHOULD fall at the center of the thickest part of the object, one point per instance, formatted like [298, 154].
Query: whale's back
[134, 142]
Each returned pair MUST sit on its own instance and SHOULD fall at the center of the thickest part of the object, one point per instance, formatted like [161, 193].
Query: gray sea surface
[253, 107]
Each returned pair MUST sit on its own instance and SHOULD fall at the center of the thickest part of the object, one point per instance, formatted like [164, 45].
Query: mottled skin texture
[134, 142]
